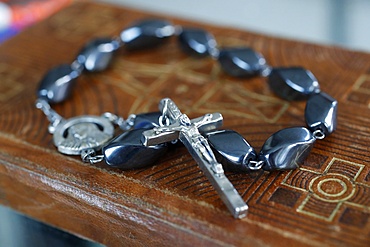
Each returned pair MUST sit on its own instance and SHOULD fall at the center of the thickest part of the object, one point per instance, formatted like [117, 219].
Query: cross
[177, 126]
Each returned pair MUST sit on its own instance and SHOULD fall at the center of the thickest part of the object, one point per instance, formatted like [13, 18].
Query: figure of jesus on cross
[177, 126]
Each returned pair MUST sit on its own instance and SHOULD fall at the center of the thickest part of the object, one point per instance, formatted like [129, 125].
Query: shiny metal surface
[83, 132]
[54, 118]
[231, 150]
[321, 113]
[293, 83]
[146, 34]
[57, 83]
[182, 128]
[146, 120]
[97, 54]
[127, 152]
[197, 42]
[286, 149]
[241, 61]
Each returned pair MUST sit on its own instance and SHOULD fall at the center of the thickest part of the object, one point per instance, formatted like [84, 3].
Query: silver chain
[54, 118]
[120, 121]
[255, 165]
[89, 156]
[319, 134]
[77, 66]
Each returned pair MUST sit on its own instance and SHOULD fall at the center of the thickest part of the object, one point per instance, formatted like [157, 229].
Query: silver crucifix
[177, 126]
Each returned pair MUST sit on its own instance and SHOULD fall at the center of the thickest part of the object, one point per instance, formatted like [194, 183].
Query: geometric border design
[211, 95]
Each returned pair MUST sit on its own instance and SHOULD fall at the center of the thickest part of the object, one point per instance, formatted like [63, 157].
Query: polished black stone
[146, 34]
[231, 150]
[127, 152]
[321, 113]
[57, 83]
[97, 54]
[241, 62]
[197, 42]
[286, 149]
[293, 83]
[147, 120]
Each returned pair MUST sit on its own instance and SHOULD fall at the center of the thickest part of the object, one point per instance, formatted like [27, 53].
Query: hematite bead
[197, 42]
[293, 83]
[321, 113]
[146, 34]
[147, 120]
[57, 84]
[231, 150]
[96, 55]
[241, 62]
[286, 149]
[127, 152]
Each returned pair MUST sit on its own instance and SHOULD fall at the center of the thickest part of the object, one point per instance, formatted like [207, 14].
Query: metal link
[319, 134]
[130, 121]
[255, 165]
[89, 155]
[77, 66]
[177, 30]
[215, 52]
[54, 118]
[118, 40]
[114, 118]
[266, 71]
[120, 121]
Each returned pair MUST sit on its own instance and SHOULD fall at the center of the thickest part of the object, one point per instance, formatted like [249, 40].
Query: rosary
[147, 136]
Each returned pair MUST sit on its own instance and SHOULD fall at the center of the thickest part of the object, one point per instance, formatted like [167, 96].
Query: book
[324, 202]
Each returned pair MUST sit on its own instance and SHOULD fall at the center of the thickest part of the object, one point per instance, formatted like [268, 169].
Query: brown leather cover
[325, 202]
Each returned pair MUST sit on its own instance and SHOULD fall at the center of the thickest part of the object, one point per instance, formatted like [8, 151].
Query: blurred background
[333, 22]
[343, 23]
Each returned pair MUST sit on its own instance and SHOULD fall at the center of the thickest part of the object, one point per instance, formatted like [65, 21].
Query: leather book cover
[326, 202]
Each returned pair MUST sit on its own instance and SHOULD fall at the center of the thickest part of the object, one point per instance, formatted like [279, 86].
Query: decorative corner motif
[327, 191]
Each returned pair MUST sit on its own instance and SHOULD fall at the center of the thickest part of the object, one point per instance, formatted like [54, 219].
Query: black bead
[97, 54]
[146, 34]
[241, 62]
[286, 149]
[127, 152]
[57, 84]
[147, 120]
[321, 113]
[197, 42]
[231, 150]
[293, 83]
